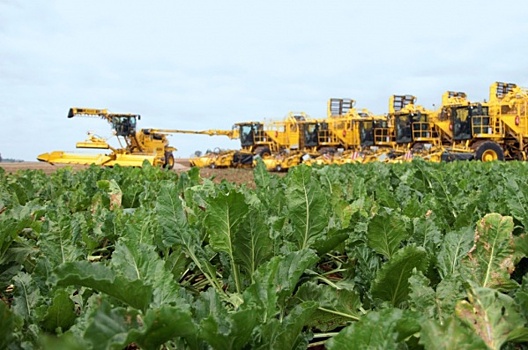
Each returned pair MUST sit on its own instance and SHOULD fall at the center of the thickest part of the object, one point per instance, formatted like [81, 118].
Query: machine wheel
[327, 150]
[212, 165]
[262, 151]
[241, 159]
[418, 147]
[169, 160]
[489, 151]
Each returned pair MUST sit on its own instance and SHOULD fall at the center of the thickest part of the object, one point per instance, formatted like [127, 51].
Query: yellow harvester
[136, 146]
[493, 130]
[273, 141]
[409, 130]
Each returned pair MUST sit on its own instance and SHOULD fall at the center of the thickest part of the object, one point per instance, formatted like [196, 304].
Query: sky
[198, 65]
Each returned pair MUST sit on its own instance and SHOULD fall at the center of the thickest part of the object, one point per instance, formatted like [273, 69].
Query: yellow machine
[213, 159]
[273, 141]
[139, 145]
[410, 131]
[346, 127]
[508, 107]
[459, 124]
[345, 136]
[494, 130]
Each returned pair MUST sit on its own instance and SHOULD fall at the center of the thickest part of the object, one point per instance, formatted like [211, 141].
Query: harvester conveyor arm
[232, 134]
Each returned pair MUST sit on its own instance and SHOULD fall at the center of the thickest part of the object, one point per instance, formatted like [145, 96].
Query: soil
[238, 176]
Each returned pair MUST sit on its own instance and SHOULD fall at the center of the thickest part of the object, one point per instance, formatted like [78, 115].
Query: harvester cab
[252, 135]
[412, 122]
[281, 144]
[123, 124]
[468, 130]
[470, 121]
[309, 139]
[462, 120]
[346, 135]
[346, 127]
[409, 130]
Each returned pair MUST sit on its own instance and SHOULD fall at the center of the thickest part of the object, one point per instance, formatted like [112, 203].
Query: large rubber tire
[328, 150]
[242, 159]
[169, 160]
[489, 151]
[262, 151]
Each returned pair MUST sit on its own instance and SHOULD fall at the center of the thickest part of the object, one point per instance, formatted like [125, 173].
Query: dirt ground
[239, 176]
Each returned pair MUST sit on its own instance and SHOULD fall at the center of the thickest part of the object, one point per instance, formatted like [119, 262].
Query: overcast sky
[208, 64]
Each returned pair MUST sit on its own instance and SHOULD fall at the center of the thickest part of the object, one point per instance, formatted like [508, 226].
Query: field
[238, 176]
[388, 256]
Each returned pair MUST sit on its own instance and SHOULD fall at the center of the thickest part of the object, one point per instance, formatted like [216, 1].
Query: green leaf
[275, 281]
[386, 231]
[163, 324]
[225, 214]
[426, 232]
[287, 332]
[307, 207]
[170, 209]
[58, 243]
[114, 193]
[67, 341]
[438, 303]
[254, 246]
[385, 197]
[422, 297]
[112, 328]
[454, 248]
[176, 232]
[493, 316]
[99, 277]
[109, 327]
[517, 201]
[262, 176]
[7, 326]
[61, 312]
[9, 230]
[336, 307]
[521, 246]
[377, 330]
[141, 262]
[26, 296]
[521, 296]
[223, 329]
[490, 261]
[448, 335]
[330, 241]
[14, 250]
[392, 281]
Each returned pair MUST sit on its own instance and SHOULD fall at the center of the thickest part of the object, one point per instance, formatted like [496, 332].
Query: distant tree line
[9, 160]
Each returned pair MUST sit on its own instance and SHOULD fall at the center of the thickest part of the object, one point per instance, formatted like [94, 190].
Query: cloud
[209, 64]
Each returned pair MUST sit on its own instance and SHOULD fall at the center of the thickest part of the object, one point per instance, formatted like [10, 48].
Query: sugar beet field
[388, 256]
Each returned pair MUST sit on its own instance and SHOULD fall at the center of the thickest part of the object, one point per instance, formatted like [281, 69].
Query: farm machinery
[459, 129]
[345, 136]
[493, 130]
[136, 146]
[409, 131]
[276, 142]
